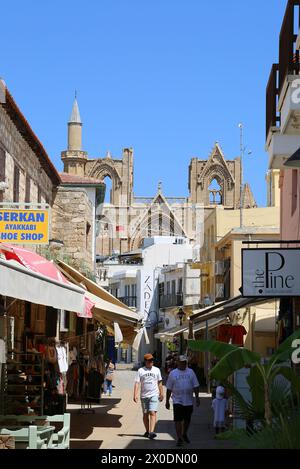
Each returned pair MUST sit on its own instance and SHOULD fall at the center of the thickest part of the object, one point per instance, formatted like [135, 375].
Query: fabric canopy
[226, 307]
[92, 287]
[110, 311]
[40, 265]
[168, 334]
[107, 309]
[210, 324]
[16, 281]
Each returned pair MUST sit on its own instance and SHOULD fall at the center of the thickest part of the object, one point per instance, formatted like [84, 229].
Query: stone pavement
[117, 422]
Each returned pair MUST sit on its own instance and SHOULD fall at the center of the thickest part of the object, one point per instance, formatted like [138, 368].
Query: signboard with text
[24, 226]
[271, 272]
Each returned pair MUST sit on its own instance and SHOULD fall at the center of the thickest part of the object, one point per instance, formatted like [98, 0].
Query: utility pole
[242, 149]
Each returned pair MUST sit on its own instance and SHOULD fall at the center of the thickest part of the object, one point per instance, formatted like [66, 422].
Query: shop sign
[24, 226]
[271, 272]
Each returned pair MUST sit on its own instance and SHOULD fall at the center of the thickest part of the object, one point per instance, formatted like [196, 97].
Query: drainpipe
[207, 359]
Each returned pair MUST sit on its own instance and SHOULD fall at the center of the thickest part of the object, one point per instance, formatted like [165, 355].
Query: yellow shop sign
[24, 226]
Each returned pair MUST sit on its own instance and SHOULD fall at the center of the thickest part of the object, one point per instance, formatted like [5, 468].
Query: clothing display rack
[91, 388]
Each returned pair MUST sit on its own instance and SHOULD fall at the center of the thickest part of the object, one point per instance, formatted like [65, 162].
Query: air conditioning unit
[219, 268]
[219, 290]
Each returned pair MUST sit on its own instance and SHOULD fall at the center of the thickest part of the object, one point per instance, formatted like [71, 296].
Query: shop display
[23, 386]
[56, 366]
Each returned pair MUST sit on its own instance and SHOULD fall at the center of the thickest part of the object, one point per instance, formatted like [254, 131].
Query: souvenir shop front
[49, 354]
[233, 322]
[29, 337]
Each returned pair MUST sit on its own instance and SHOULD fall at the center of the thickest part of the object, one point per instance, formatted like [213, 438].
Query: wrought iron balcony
[173, 299]
[272, 116]
[129, 301]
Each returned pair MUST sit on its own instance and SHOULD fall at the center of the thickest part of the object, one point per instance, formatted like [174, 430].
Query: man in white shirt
[150, 380]
[182, 383]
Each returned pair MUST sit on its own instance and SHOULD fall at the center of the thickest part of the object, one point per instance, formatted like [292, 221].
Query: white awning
[110, 311]
[211, 324]
[19, 282]
[225, 307]
[169, 334]
[92, 287]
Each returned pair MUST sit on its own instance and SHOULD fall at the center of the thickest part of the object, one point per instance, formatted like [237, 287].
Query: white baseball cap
[182, 358]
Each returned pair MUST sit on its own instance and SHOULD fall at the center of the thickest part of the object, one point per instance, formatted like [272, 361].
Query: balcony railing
[272, 117]
[173, 299]
[129, 301]
[288, 60]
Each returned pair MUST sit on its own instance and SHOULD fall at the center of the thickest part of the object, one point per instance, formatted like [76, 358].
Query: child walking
[109, 376]
[220, 406]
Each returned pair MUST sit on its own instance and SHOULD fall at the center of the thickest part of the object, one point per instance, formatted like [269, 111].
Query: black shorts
[182, 412]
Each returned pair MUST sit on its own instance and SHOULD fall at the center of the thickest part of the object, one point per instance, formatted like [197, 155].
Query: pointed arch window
[215, 193]
[108, 189]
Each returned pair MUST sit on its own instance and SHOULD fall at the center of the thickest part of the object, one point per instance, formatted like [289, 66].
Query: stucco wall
[290, 214]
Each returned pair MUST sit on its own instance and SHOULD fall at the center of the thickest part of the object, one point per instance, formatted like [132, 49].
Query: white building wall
[155, 256]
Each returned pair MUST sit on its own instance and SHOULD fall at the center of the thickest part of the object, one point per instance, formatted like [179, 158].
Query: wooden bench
[58, 440]
[31, 436]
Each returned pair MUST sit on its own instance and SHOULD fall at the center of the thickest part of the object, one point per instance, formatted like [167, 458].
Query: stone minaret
[74, 158]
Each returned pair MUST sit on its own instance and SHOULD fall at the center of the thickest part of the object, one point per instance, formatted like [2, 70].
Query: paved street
[117, 423]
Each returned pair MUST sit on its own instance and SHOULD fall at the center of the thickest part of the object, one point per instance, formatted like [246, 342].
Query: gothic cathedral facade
[126, 220]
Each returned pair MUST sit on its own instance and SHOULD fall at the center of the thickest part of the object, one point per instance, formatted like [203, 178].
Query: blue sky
[166, 77]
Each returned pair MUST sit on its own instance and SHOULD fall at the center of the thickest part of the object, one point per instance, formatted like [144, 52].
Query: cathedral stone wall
[18, 152]
[72, 223]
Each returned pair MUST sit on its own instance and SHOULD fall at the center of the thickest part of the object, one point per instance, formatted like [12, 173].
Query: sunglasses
[149, 360]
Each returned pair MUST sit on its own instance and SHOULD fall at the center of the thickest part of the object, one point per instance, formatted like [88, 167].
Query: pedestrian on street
[109, 376]
[220, 406]
[149, 379]
[182, 383]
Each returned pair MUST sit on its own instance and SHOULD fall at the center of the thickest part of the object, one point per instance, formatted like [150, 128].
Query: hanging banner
[270, 272]
[24, 226]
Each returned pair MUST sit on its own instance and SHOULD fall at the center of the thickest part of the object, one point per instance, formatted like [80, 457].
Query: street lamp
[181, 315]
[242, 152]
